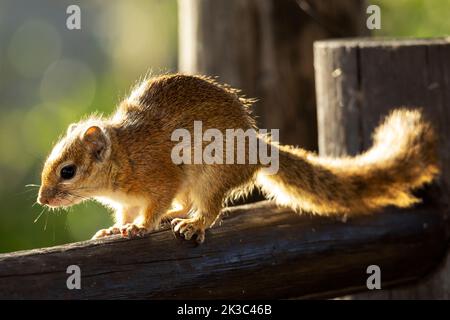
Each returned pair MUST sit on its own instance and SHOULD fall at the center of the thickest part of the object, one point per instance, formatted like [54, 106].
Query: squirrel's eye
[68, 172]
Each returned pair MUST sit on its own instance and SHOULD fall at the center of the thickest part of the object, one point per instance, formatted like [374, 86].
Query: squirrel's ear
[96, 142]
[71, 127]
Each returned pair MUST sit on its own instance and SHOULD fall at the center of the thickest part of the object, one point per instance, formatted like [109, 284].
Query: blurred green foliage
[413, 18]
[51, 76]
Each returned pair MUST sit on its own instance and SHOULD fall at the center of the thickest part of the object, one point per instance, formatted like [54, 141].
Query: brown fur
[402, 159]
[130, 169]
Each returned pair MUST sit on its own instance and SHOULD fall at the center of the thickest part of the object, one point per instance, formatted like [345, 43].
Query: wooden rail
[259, 251]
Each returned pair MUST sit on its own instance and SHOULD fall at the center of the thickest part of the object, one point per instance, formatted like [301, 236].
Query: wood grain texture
[259, 251]
[358, 81]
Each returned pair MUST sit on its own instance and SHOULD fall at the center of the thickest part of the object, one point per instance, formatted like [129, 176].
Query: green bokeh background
[51, 76]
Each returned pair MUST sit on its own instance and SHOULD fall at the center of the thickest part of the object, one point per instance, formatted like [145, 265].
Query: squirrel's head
[77, 166]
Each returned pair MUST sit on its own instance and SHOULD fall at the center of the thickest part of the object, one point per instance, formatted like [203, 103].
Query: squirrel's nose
[44, 196]
[42, 200]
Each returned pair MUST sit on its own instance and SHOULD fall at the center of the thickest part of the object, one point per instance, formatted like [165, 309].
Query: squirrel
[124, 162]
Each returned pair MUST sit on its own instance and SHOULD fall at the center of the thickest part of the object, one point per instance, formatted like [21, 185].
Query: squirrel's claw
[106, 233]
[188, 228]
[131, 230]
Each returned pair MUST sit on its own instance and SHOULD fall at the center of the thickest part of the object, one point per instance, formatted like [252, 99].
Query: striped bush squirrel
[124, 161]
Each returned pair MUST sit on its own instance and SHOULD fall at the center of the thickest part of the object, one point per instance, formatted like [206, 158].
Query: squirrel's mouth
[58, 202]
[54, 198]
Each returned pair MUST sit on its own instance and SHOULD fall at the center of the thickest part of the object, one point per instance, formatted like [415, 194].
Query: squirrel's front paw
[131, 230]
[189, 228]
[106, 232]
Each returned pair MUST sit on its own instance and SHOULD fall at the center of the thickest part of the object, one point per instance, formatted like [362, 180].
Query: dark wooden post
[258, 252]
[358, 82]
[264, 47]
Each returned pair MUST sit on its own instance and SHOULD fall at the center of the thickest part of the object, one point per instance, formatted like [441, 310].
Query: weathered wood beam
[358, 82]
[259, 251]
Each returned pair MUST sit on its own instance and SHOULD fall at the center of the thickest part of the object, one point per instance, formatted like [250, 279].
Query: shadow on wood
[259, 251]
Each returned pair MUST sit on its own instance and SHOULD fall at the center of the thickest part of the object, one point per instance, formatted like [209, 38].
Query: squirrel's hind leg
[197, 224]
[181, 207]
[208, 189]
[208, 204]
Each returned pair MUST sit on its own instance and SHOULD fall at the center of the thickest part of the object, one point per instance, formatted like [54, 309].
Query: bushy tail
[403, 157]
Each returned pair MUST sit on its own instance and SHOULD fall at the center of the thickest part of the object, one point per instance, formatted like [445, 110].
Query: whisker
[27, 191]
[66, 193]
[46, 220]
[80, 197]
[33, 185]
[65, 218]
[40, 214]
[54, 230]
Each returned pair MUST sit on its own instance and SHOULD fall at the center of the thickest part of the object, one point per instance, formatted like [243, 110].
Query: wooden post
[258, 252]
[264, 47]
[357, 83]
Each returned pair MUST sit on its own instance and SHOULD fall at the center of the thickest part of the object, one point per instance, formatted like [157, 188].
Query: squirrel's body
[125, 162]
